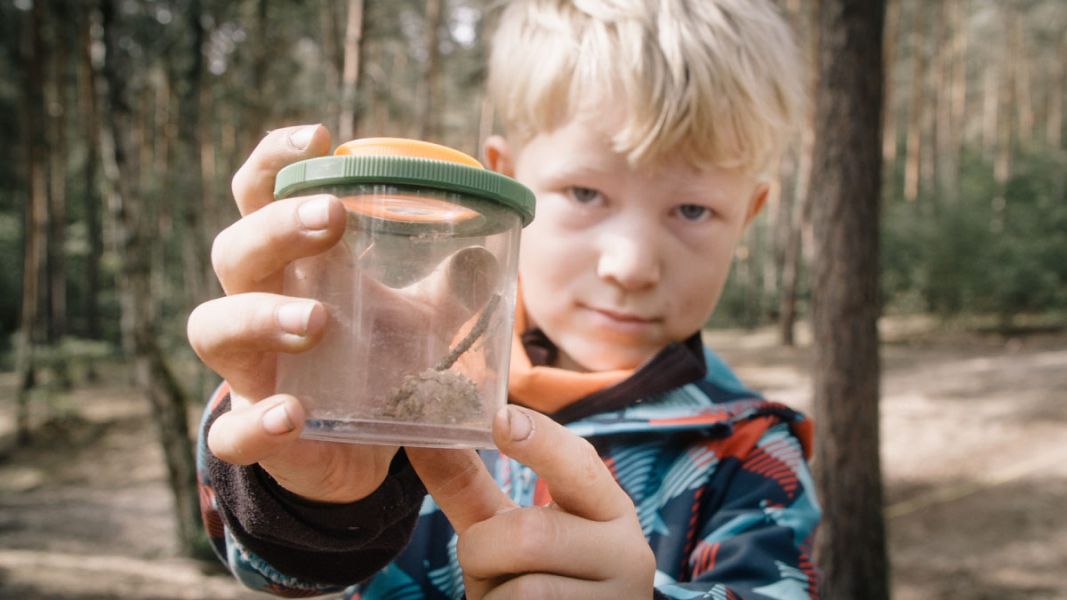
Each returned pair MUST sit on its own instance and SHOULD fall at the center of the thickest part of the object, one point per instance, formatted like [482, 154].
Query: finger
[577, 478]
[460, 484]
[542, 540]
[248, 253]
[253, 184]
[237, 336]
[253, 432]
[545, 586]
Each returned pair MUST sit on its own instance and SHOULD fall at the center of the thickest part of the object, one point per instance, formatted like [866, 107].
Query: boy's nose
[628, 261]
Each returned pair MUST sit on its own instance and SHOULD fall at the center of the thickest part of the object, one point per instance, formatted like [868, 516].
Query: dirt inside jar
[433, 396]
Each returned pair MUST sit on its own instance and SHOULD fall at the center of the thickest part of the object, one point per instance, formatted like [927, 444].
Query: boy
[645, 128]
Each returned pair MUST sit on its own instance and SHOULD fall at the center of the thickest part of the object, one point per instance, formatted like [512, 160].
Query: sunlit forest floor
[973, 430]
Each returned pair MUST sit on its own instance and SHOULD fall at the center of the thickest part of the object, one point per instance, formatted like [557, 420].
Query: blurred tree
[36, 214]
[152, 373]
[350, 72]
[56, 85]
[894, 15]
[333, 59]
[188, 77]
[90, 133]
[1058, 81]
[797, 213]
[430, 101]
[916, 108]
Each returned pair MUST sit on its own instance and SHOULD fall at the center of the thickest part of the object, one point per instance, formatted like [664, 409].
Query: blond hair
[708, 81]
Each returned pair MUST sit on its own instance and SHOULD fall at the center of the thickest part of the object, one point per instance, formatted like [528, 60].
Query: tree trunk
[889, 126]
[851, 546]
[350, 73]
[430, 100]
[152, 375]
[1054, 121]
[1006, 133]
[913, 158]
[56, 86]
[792, 256]
[397, 89]
[255, 118]
[90, 121]
[195, 241]
[1021, 67]
[36, 223]
[990, 106]
[945, 159]
[957, 115]
[778, 239]
[332, 48]
[932, 128]
[800, 216]
[209, 169]
[146, 139]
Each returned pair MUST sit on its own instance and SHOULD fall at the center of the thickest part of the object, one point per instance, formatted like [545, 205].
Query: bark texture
[851, 547]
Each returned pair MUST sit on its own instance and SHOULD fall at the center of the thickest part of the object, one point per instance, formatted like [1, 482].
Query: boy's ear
[498, 155]
[758, 201]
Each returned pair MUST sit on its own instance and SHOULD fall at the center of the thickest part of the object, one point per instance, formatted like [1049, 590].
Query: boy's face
[619, 262]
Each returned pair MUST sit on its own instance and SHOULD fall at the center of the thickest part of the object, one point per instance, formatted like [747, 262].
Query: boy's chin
[604, 359]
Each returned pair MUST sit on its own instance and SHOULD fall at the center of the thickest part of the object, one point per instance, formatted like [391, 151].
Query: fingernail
[276, 421]
[294, 317]
[300, 138]
[314, 214]
[519, 424]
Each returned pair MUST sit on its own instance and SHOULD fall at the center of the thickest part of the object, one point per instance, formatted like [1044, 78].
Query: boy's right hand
[238, 336]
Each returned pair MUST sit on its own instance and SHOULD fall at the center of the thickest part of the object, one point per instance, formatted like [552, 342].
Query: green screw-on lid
[407, 163]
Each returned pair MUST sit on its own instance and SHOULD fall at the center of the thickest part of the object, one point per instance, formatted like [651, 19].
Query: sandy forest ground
[974, 452]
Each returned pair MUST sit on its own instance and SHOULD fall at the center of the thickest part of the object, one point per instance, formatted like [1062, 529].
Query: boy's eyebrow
[585, 167]
[672, 185]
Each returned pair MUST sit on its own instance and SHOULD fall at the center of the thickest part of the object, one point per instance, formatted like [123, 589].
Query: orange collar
[549, 389]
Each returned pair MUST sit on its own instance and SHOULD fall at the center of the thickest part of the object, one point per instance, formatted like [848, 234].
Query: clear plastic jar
[420, 293]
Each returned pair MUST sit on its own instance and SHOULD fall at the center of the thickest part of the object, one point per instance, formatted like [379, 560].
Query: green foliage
[952, 257]
[966, 256]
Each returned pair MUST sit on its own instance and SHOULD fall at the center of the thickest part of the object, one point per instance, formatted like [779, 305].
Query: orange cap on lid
[384, 146]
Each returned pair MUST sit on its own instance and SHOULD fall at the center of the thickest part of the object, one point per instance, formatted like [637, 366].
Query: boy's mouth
[623, 317]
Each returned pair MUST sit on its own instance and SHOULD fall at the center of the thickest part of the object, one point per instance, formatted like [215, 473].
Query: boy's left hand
[587, 544]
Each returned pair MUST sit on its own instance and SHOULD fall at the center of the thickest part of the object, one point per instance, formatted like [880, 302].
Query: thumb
[577, 478]
[460, 485]
[251, 433]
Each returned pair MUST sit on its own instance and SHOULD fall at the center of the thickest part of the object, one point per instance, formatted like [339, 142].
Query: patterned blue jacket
[718, 475]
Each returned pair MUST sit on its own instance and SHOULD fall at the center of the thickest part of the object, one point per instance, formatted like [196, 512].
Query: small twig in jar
[468, 341]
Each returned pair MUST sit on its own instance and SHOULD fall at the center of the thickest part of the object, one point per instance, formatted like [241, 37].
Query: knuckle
[464, 550]
[534, 531]
[648, 557]
[262, 316]
[238, 183]
[193, 328]
[219, 255]
[587, 461]
[225, 442]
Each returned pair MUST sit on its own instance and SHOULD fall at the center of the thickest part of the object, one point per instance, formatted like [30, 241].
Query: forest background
[123, 121]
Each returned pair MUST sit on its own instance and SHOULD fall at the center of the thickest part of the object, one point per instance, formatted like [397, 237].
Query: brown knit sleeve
[337, 544]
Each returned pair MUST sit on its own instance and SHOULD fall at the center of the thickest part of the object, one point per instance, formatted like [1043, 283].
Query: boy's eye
[693, 212]
[584, 195]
